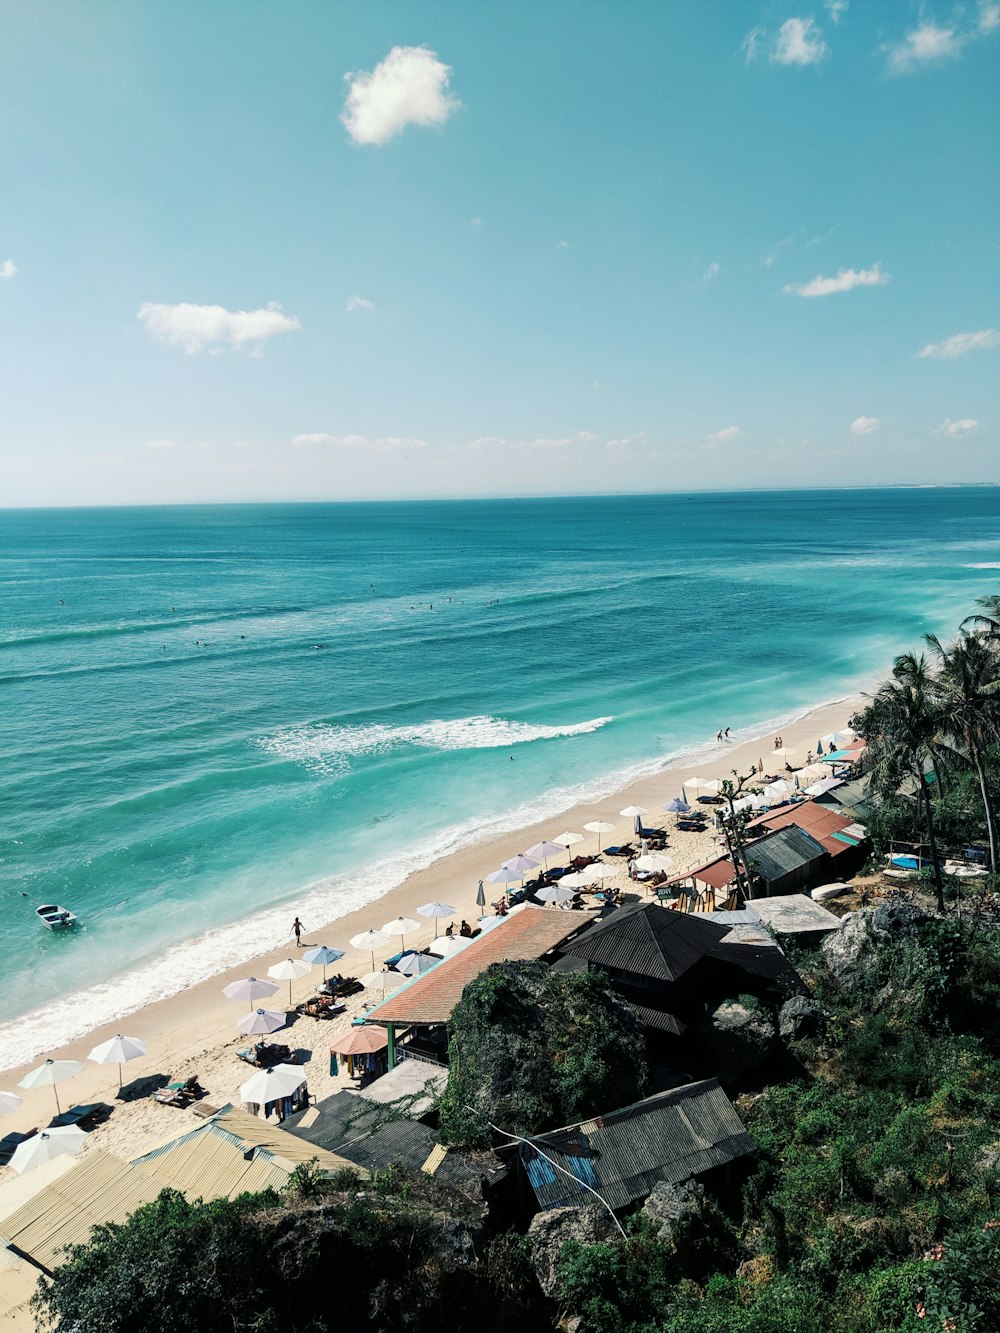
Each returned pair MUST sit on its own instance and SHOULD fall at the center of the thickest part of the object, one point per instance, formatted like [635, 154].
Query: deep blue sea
[215, 717]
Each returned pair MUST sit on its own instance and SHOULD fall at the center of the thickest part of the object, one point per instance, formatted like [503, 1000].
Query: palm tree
[985, 623]
[903, 722]
[967, 686]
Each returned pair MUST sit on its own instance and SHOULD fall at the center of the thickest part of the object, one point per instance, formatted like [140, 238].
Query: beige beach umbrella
[289, 969]
[445, 945]
[40, 1148]
[49, 1074]
[579, 879]
[785, 752]
[381, 984]
[401, 926]
[250, 989]
[255, 1024]
[370, 939]
[117, 1051]
[568, 840]
[599, 826]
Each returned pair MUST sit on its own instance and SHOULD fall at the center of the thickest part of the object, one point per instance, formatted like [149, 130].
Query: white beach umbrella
[414, 964]
[555, 893]
[372, 940]
[401, 926]
[118, 1051]
[777, 791]
[40, 1148]
[259, 1021]
[599, 873]
[630, 810]
[9, 1101]
[438, 911]
[289, 969]
[811, 773]
[835, 739]
[545, 849]
[784, 752]
[599, 826]
[579, 879]
[250, 989]
[824, 785]
[501, 876]
[568, 840]
[710, 786]
[383, 983]
[521, 863]
[653, 861]
[319, 955]
[49, 1074]
[446, 945]
[268, 1085]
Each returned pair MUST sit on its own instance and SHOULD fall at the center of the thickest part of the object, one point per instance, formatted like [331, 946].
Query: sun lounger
[86, 1117]
[181, 1093]
[626, 849]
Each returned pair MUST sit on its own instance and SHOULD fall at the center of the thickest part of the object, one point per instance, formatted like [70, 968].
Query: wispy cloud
[409, 87]
[818, 240]
[799, 42]
[955, 430]
[845, 281]
[160, 444]
[836, 9]
[476, 222]
[197, 328]
[378, 444]
[726, 434]
[562, 245]
[8, 269]
[359, 303]
[865, 425]
[712, 272]
[960, 343]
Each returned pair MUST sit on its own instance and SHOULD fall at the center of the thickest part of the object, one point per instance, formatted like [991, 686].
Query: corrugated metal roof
[818, 820]
[782, 853]
[529, 932]
[99, 1189]
[658, 1019]
[213, 1165]
[647, 940]
[672, 1136]
[366, 1134]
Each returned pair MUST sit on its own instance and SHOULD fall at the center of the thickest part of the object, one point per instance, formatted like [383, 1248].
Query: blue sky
[273, 251]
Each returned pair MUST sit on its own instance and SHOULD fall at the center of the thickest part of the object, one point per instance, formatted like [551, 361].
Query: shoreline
[196, 1023]
[235, 945]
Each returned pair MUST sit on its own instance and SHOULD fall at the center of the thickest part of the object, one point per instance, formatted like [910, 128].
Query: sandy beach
[193, 1031]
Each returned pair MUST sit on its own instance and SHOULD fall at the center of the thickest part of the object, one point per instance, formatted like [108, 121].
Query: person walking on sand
[297, 931]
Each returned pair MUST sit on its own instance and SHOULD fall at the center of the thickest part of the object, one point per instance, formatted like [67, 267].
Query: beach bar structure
[526, 934]
[674, 1136]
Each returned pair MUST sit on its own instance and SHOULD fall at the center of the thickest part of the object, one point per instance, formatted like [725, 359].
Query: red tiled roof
[528, 933]
[818, 820]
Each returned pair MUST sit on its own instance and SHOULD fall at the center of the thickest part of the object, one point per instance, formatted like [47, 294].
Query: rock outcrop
[549, 1232]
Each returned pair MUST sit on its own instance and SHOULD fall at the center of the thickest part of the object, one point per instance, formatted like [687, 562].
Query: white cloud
[380, 444]
[197, 327]
[923, 46]
[846, 279]
[752, 44]
[475, 222]
[865, 425]
[615, 448]
[960, 343]
[726, 434]
[798, 42]
[989, 16]
[712, 272]
[409, 87]
[955, 430]
[818, 240]
[359, 303]
[161, 444]
[836, 9]
[8, 269]
[562, 245]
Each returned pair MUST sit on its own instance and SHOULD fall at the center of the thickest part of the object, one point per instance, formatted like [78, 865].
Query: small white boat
[55, 917]
[828, 891]
[963, 871]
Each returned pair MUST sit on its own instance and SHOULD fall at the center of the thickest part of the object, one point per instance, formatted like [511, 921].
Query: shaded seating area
[263, 1054]
[181, 1094]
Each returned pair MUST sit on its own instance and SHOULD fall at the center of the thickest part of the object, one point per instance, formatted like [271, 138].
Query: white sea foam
[328, 749]
[225, 947]
[984, 564]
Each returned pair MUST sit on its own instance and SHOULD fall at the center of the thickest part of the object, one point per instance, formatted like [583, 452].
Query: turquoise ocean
[216, 717]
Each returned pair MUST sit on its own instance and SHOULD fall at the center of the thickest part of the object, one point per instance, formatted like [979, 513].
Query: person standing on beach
[297, 931]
